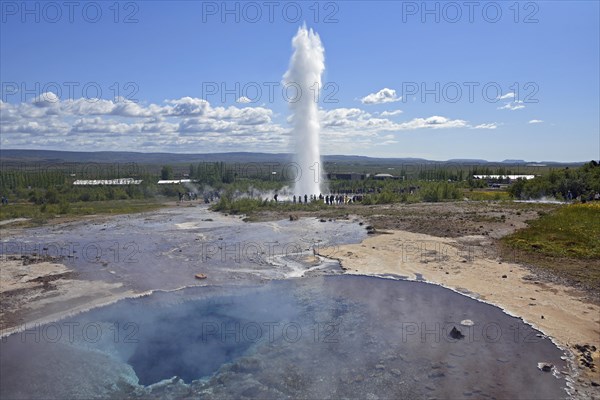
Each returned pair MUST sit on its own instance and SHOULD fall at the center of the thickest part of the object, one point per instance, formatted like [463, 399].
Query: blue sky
[164, 62]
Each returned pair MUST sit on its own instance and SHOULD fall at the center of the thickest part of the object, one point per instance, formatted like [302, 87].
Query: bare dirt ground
[37, 289]
[447, 219]
[490, 220]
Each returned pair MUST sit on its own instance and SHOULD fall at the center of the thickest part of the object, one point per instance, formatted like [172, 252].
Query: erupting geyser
[304, 74]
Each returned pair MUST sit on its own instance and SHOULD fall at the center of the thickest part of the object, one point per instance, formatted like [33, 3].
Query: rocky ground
[489, 221]
[35, 289]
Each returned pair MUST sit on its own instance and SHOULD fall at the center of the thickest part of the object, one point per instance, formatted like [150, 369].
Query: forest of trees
[583, 183]
[55, 186]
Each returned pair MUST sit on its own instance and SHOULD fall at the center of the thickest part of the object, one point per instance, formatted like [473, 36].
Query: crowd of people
[583, 198]
[327, 199]
[190, 196]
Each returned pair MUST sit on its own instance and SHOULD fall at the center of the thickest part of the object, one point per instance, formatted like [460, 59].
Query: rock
[293, 217]
[594, 383]
[322, 220]
[200, 276]
[456, 334]
[436, 374]
[545, 367]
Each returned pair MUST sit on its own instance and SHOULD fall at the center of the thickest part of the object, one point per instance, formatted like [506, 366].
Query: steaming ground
[320, 337]
[134, 255]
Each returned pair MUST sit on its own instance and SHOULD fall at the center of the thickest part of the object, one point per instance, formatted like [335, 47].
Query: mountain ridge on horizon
[167, 157]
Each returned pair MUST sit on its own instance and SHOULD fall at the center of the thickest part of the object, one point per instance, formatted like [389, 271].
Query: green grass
[49, 211]
[565, 242]
[570, 231]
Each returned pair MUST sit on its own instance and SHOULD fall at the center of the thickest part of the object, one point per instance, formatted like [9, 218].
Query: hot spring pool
[321, 337]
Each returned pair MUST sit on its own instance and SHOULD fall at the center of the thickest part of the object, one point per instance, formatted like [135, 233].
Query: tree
[166, 172]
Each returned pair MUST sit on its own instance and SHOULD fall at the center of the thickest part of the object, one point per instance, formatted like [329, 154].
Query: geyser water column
[303, 83]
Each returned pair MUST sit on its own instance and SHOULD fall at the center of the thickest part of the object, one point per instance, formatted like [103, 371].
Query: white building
[511, 177]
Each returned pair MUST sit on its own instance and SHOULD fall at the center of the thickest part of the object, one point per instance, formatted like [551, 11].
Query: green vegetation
[570, 231]
[166, 172]
[430, 192]
[45, 193]
[437, 171]
[565, 242]
[583, 181]
[47, 211]
[50, 191]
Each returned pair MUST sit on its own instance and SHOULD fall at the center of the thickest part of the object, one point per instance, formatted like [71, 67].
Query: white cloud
[47, 99]
[491, 125]
[87, 107]
[185, 123]
[126, 108]
[435, 122]
[103, 126]
[353, 122]
[509, 95]
[187, 106]
[385, 95]
[515, 105]
[190, 124]
[391, 113]
[243, 100]
[536, 121]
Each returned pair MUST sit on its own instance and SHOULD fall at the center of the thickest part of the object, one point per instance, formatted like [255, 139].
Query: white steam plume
[304, 74]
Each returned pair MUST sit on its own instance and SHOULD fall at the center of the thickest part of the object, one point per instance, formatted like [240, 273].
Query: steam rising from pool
[321, 337]
[304, 74]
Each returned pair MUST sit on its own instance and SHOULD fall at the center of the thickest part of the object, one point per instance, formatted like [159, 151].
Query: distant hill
[467, 161]
[49, 156]
[54, 156]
